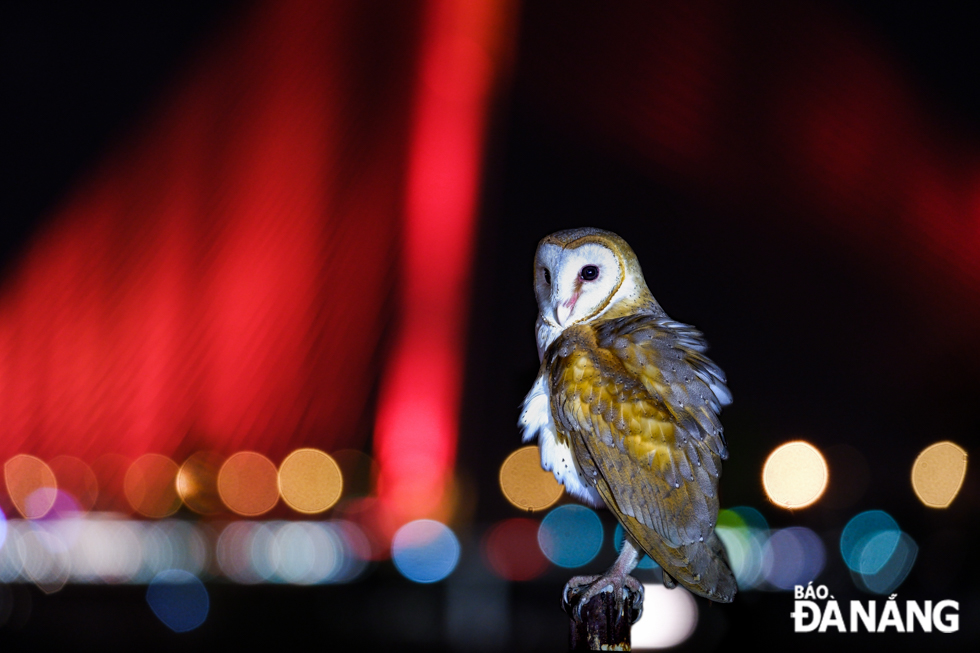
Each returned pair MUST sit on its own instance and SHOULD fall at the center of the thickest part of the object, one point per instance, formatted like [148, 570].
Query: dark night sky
[75, 78]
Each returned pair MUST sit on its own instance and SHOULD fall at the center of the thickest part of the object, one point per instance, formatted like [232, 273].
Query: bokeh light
[792, 556]
[101, 548]
[868, 540]
[151, 486]
[197, 482]
[669, 618]
[357, 551]
[11, 554]
[570, 535]
[877, 552]
[619, 535]
[45, 559]
[310, 481]
[174, 544]
[425, 551]
[511, 549]
[301, 553]
[795, 475]
[744, 532]
[248, 483]
[31, 485]
[178, 599]
[525, 484]
[264, 550]
[64, 505]
[76, 478]
[309, 553]
[107, 551]
[750, 517]
[889, 575]
[234, 552]
[938, 474]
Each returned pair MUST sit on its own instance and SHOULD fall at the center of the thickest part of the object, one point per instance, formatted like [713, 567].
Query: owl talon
[571, 591]
[582, 589]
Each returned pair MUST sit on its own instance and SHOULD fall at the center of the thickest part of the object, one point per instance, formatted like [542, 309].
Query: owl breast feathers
[626, 406]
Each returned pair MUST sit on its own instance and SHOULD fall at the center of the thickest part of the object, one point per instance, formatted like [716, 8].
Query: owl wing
[639, 403]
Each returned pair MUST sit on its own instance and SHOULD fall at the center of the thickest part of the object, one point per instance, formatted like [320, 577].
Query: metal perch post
[605, 622]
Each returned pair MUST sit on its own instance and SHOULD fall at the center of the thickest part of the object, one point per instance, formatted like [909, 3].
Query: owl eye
[547, 277]
[589, 273]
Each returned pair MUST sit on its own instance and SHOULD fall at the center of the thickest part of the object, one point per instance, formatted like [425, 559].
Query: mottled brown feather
[638, 402]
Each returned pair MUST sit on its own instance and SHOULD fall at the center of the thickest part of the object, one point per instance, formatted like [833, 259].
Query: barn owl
[625, 411]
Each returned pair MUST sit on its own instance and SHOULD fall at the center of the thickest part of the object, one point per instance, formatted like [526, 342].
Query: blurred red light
[416, 427]
[221, 280]
[511, 550]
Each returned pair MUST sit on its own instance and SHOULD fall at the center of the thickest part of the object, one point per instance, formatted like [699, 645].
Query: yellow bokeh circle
[938, 474]
[525, 484]
[310, 481]
[795, 475]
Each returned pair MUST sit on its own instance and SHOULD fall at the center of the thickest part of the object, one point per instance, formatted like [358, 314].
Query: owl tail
[701, 567]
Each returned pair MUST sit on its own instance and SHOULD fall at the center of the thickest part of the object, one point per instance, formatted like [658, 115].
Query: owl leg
[617, 579]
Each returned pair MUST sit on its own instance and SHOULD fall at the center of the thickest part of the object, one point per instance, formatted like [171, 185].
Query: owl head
[581, 275]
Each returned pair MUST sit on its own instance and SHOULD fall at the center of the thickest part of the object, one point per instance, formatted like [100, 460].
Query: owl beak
[565, 310]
